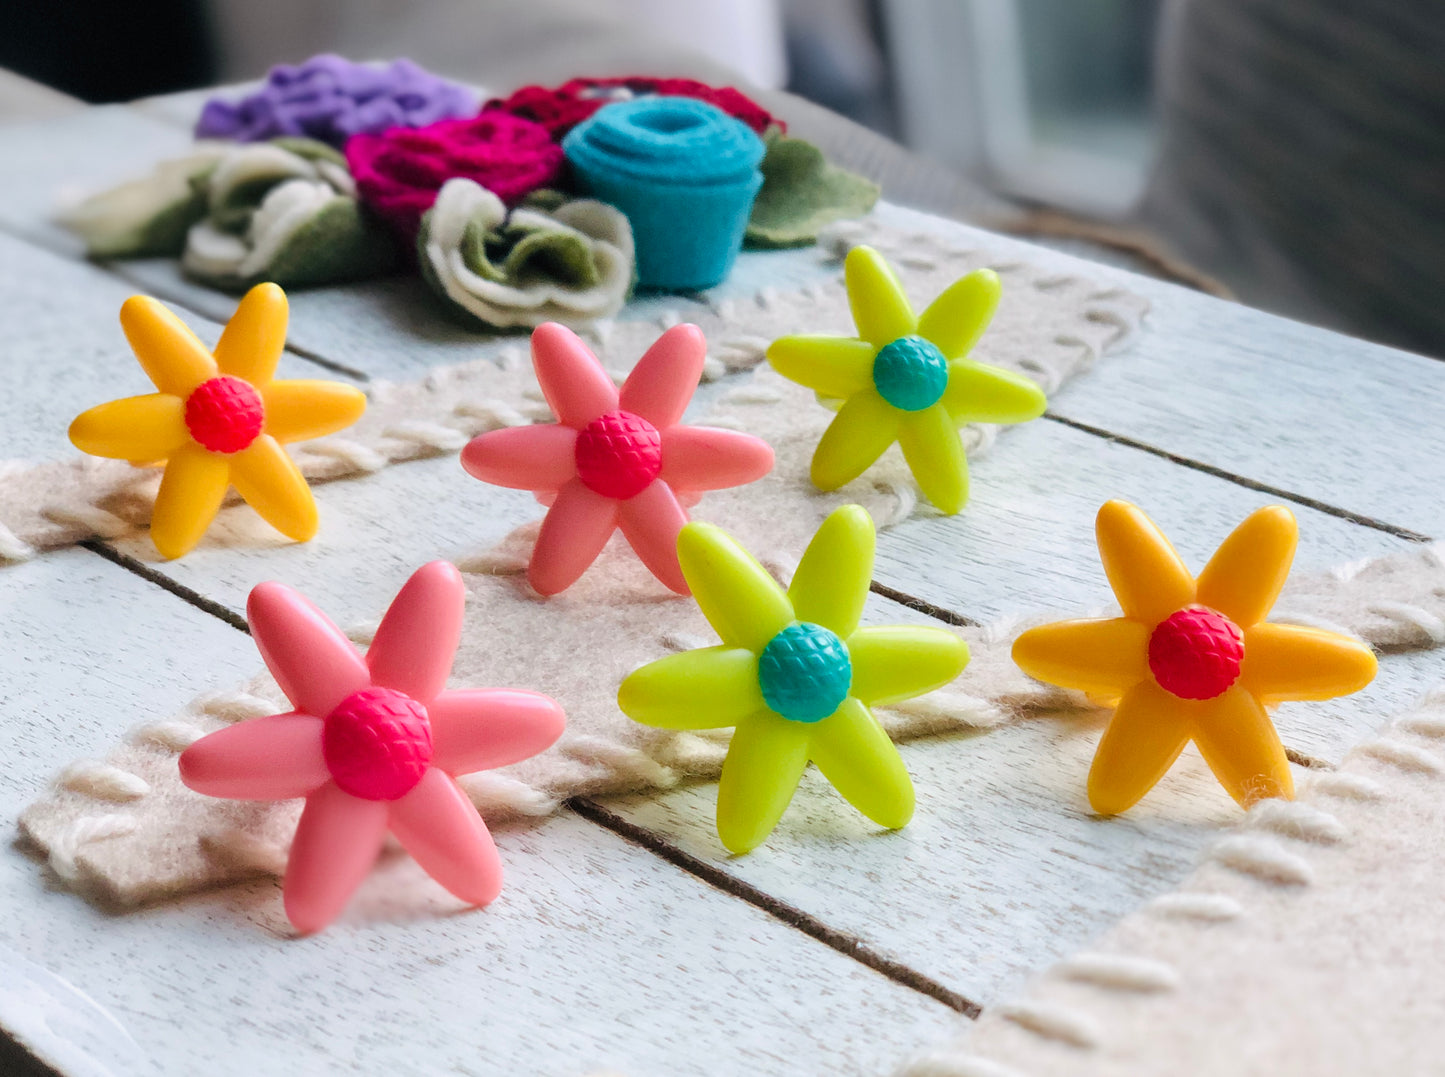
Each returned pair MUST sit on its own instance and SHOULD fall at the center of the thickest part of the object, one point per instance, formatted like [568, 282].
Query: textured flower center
[377, 744]
[805, 672]
[1196, 653]
[619, 454]
[910, 373]
[225, 414]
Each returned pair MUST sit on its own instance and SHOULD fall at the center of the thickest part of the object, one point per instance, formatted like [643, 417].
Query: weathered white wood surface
[64, 351]
[597, 956]
[1002, 869]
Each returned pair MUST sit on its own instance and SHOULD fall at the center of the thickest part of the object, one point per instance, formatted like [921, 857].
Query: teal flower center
[805, 672]
[910, 373]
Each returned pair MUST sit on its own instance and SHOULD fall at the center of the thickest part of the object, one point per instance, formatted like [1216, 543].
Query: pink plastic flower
[373, 745]
[616, 458]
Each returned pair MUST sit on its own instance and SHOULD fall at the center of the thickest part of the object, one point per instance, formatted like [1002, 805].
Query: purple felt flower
[330, 99]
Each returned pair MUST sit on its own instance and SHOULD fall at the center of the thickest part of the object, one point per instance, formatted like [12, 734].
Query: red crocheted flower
[563, 108]
[398, 172]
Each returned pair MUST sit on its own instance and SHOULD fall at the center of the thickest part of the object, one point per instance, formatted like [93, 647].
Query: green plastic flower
[795, 675]
[906, 379]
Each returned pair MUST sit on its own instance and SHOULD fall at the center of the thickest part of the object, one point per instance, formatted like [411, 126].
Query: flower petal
[861, 432]
[524, 457]
[438, 826]
[481, 728]
[306, 408]
[576, 527]
[855, 754]
[1241, 746]
[742, 602]
[892, 663]
[336, 843]
[413, 648]
[1290, 662]
[709, 458]
[934, 451]
[1247, 572]
[979, 393]
[315, 665]
[1148, 578]
[577, 389]
[192, 488]
[272, 758]
[1147, 732]
[168, 351]
[650, 522]
[764, 764]
[707, 688]
[1102, 657]
[832, 580]
[147, 427]
[958, 317]
[252, 342]
[664, 379]
[881, 310]
[271, 483]
[833, 366]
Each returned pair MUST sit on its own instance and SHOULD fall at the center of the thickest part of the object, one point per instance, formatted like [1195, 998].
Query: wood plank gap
[161, 580]
[1310, 762]
[903, 598]
[1240, 480]
[841, 941]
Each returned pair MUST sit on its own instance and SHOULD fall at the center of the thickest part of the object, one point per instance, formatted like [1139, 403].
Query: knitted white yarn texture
[124, 830]
[1309, 941]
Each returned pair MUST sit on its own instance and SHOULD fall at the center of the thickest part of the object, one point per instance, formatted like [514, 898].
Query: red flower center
[377, 744]
[619, 454]
[225, 414]
[1196, 652]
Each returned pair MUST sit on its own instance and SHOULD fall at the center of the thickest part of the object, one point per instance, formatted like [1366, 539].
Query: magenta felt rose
[399, 172]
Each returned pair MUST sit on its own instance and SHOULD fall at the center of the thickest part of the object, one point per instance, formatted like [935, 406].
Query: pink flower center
[1196, 652]
[619, 454]
[225, 414]
[377, 744]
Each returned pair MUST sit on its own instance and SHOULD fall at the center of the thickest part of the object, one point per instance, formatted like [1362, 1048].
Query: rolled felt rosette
[283, 211]
[684, 172]
[570, 264]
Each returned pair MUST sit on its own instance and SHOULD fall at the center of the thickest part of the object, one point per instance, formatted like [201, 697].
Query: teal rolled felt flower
[684, 172]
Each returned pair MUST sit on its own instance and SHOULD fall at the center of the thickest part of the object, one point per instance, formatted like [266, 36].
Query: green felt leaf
[801, 193]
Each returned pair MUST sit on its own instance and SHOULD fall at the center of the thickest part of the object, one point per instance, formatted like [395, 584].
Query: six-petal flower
[615, 458]
[1193, 659]
[218, 420]
[906, 379]
[796, 675]
[373, 744]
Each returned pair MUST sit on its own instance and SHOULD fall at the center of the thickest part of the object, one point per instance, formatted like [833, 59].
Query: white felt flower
[284, 212]
[572, 264]
[146, 216]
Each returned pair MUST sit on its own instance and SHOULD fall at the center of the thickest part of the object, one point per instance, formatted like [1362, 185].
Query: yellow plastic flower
[1193, 659]
[906, 379]
[796, 676]
[219, 420]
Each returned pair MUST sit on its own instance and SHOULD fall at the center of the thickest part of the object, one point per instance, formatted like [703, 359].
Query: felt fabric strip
[1308, 941]
[802, 193]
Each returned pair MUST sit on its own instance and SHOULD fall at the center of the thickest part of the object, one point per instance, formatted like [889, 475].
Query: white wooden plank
[597, 956]
[64, 350]
[1320, 414]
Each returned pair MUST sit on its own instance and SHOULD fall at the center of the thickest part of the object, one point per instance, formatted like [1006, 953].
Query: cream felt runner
[126, 831]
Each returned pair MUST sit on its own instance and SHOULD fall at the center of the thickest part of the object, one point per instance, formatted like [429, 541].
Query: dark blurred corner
[108, 50]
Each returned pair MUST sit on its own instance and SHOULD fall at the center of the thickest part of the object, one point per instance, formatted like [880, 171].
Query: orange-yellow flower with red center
[1193, 659]
[219, 420]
